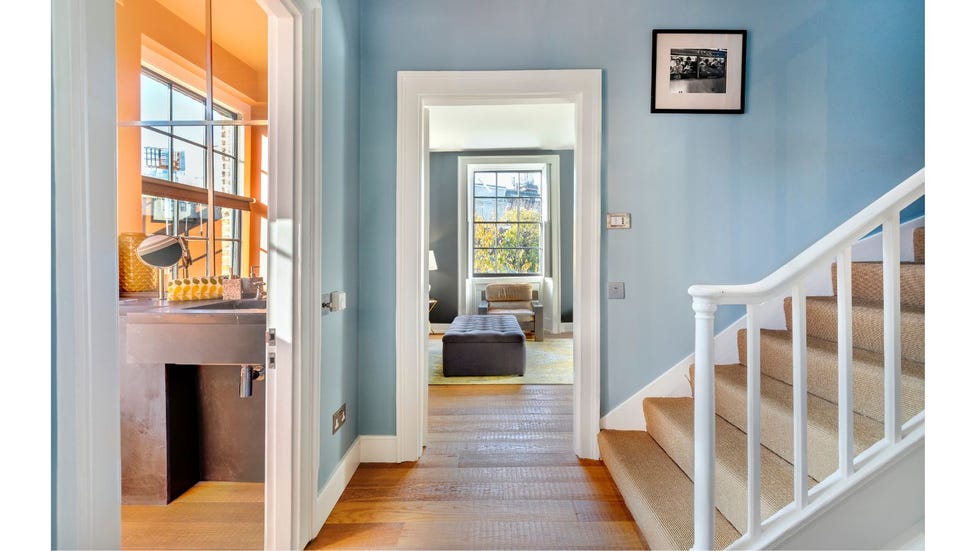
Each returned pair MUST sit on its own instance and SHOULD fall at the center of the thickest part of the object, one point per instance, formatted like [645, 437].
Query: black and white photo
[698, 71]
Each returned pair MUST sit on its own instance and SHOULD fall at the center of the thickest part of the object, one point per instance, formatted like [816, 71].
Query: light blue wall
[338, 361]
[834, 117]
[444, 219]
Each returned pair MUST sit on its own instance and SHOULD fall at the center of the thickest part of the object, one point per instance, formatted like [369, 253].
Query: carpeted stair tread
[670, 421]
[776, 361]
[866, 282]
[919, 243]
[657, 492]
[867, 323]
[776, 415]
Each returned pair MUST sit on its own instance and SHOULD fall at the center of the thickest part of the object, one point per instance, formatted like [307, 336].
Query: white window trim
[468, 285]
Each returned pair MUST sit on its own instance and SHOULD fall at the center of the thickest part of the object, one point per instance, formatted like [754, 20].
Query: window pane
[199, 257]
[484, 210]
[530, 210]
[154, 99]
[484, 235]
[188, 164]
[187, 108]
[507, 183]
[518, 261]
[484, 261]
[226, 175]
[484, 184]
[227, 138]
[507, 209]
[530, 184]
[158, 215]
[228, 257]
[155, 149]
[191, 219]
[528, 235]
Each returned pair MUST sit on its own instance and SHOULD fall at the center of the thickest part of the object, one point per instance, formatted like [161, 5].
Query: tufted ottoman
[483, 345]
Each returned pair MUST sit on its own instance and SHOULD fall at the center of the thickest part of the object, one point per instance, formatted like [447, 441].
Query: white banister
[891, 295]
[788, 279]
[801, 475]
[753, 420]
[845, 360]
[704, 424]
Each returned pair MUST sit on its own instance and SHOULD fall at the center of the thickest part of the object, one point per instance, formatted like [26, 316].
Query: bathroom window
[177, 154]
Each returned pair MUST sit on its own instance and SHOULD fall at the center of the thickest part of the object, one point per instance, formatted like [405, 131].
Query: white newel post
[704, 423]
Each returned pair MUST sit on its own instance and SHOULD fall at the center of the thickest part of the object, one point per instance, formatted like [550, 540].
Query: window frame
[208, 196]
[543, 241]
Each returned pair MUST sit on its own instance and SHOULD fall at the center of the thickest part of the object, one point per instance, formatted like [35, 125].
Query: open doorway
[419, 95]
[192, 96]
[501, 221]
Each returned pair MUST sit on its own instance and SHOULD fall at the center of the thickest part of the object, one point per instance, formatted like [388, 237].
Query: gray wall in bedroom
[443, 222]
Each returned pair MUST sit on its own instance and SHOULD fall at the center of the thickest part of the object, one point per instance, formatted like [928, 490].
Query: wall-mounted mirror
[162, 252]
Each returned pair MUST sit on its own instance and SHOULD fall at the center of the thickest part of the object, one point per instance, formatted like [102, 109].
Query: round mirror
[162, 252]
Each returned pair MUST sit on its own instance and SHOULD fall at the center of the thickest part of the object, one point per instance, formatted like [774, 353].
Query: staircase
[655, 469]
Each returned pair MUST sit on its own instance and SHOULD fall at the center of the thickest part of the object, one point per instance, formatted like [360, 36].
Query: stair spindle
[704, 424]
[753, 412]
[845, 360]
[891, 294]
[800, 471]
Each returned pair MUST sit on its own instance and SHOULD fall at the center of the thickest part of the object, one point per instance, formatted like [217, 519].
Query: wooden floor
[211, 515]
[498, 473]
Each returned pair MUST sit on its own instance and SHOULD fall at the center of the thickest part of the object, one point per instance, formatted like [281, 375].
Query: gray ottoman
[483, 345]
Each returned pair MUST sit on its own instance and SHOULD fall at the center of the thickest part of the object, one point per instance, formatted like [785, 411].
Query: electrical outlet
[339, 417]
[616, 289]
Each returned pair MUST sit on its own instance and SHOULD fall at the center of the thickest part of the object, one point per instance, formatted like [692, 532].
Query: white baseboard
[674, 382]
[439, 327]
[378, 449]
[335, 486]
[567, 327]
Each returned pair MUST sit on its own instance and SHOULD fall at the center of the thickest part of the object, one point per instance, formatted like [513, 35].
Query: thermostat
[617, 220]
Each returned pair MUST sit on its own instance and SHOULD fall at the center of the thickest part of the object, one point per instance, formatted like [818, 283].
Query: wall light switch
[618, 220]
[616, 289]
[333, 302]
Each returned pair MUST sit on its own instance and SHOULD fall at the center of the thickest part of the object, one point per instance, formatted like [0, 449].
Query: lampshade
[432, 261]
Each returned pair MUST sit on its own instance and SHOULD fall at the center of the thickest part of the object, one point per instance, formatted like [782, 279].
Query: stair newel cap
[704, 307]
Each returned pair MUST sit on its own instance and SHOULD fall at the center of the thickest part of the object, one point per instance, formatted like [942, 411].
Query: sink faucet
[260, 293]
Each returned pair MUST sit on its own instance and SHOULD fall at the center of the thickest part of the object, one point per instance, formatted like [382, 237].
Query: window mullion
[209, 137]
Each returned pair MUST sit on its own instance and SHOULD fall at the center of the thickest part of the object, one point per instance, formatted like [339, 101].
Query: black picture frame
[692, 71]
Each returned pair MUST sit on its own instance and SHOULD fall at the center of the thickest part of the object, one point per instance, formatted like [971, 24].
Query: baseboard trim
[328, 497]
[379, 449]
[673, 382]
[439, 327]
[567, 327]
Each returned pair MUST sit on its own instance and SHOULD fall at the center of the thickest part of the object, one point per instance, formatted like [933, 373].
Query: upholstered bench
[483, 345]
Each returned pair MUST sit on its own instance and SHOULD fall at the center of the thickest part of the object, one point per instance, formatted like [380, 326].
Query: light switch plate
[616, 289]
[617, 220]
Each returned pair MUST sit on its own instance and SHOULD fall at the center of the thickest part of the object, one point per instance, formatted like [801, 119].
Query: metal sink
[242, 304]
[209, 333]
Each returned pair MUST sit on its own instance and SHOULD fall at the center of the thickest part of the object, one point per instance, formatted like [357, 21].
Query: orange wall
[149, 18]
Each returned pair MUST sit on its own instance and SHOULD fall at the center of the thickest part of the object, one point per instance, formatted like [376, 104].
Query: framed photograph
[698, 71]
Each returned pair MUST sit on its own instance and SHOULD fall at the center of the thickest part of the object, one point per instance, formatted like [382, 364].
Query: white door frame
[86, 371]
[419, 90]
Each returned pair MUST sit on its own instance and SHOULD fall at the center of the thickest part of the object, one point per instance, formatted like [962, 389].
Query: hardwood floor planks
[210, 515]
[498, 472]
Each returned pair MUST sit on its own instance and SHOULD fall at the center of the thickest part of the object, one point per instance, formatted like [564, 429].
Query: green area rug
[548, 362]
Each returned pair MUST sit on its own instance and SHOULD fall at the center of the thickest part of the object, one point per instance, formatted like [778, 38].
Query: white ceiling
[538, 126]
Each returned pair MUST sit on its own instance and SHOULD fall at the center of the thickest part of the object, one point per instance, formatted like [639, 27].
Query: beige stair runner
[654, 469]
